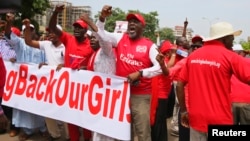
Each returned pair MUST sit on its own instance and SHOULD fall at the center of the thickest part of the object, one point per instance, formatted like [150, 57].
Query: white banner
[95, 101]
[121, 26]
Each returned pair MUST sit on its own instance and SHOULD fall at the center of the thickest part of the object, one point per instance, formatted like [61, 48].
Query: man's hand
[59, 8]
[59, 67]
[185, 119]
[160, 57]
[26, 22]
[106, 11]
[173, 50]
[10, 17]
[134, 76]
[41, 64]
[3, 121]
[185, 23]
[12, 60]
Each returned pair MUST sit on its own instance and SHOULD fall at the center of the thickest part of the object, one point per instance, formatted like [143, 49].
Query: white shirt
[54, 55]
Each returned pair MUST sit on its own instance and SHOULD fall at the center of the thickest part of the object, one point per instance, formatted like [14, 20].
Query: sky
[199, 13]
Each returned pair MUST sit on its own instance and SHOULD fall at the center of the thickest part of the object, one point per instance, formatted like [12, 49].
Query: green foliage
[167, 34]
[245, 45]
[151, 20]
[32, 7]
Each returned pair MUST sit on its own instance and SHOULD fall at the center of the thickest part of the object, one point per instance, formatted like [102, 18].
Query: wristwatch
[141, 73]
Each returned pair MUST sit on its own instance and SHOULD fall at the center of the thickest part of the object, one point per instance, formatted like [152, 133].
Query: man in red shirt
[208, 72]
[240, 94]
[77, 54]
[136, 61]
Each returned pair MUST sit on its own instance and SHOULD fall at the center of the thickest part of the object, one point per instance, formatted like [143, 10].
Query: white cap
[59, 27]
[237, 47]
[31, 25]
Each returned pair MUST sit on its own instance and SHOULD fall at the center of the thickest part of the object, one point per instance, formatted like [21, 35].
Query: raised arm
[9, 18]
[113, 38]
[185, 28]
[53, 20]
[85, 18]
[28, 34]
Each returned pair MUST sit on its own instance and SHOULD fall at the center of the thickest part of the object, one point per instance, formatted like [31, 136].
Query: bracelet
[141, 73]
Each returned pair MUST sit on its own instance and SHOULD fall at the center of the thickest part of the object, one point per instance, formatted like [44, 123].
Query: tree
[166, 34]
[118, 15]
[32, 7]
[29, 9]
[245, 45]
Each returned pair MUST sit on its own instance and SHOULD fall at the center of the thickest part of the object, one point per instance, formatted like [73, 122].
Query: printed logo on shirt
[205, 62]
[127, 59]
[141, 49]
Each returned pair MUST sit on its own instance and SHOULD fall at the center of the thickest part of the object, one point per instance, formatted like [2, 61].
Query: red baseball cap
[16, 31]
[81, 23]
[197, 38]
[166, 46]
[137, 16]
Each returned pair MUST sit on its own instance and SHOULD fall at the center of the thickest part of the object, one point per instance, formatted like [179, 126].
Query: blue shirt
[25, 53]
[6, 50]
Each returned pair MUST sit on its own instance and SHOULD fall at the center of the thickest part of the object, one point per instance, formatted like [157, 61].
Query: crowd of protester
[203, 81]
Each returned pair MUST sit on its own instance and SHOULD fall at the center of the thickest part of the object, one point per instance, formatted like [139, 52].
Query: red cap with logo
[81, 23]
[137, 16]
[197, 38]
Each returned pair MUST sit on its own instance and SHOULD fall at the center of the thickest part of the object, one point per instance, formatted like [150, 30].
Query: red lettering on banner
[50, 86]
[107, 95]
[95, 109]
[73, 102]
[9, 85]
[40, 94]
[31, 87]
[123, 103]
[61, 100]
[21, 83]
[115, 97]
[85, 89]
[101, 97]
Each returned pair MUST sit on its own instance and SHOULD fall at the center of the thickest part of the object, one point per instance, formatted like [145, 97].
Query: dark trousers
[8, 112]
[159, 129]
[171, 102]
[184, 133]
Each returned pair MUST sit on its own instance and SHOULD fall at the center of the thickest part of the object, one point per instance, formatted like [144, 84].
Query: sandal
[13, 133]
[23, 136]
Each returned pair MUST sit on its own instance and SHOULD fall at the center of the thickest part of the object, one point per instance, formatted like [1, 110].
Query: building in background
[178, 30]
[66, 18]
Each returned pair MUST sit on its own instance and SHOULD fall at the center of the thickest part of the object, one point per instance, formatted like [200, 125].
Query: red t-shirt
[3, 76]
[240, 92]
[208, 72]
[132, 56]
[76, 54]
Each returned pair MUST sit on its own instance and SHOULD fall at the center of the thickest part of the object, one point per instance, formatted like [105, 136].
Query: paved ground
[37, 137]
